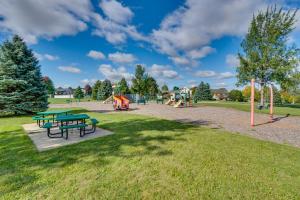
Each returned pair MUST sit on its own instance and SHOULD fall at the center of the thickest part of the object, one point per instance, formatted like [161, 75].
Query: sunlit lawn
[64, 100]
[147, 158]
[245, 106]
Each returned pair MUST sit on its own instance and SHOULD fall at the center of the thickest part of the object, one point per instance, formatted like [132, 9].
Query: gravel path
[283, 130]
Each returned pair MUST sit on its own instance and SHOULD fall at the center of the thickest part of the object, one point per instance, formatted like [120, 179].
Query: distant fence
[63, 96]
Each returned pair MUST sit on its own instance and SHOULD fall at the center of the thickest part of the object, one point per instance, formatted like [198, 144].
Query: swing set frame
[253, 104]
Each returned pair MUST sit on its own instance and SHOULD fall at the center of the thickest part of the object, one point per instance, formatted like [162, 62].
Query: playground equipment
[120, 102]
[108, 100]
[253, 106]
[159, 98]
[181, 98]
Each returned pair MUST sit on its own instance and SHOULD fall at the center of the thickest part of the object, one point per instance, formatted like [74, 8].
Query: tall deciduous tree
[267, 56]
[138, 82]
[49, 86]
[21, 86]
[95, 89]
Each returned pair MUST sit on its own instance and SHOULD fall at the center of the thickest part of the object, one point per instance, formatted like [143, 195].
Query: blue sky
[179, 42]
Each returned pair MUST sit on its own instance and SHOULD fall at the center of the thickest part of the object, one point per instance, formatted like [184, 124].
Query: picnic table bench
[47, 116]
[67, 122]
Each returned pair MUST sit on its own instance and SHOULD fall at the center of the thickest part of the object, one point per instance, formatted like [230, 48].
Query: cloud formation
[119, 57]
[97, 55]
[114, 74]
[70, 69]
[33, 19]
[162, 71]
[193, 26]
[46, 56]
[232, 60]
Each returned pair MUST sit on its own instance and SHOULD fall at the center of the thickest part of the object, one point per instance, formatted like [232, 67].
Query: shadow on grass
[132, 138]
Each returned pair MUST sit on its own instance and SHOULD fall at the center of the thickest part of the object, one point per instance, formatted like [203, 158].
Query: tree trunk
[262, 102]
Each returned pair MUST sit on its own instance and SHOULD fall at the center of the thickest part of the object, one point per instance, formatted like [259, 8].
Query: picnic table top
[53, 112]
[72, 117]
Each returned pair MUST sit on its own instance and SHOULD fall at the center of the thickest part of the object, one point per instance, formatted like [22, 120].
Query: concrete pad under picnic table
[43, 142]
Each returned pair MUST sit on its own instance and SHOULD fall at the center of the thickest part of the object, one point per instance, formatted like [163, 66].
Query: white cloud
[232, 60]
[115, 26]
[226, 75]
[70, 69]
[115, 11]
[114, 74]
[192, 83]
[121, 57]
[221, 84]
[200, 53]
[97, 55]
[33, 19]
[194, 25]
[51, 57]
[45, 56]
[88, 81]
[205, 74]
[162, 71]
[180, 60]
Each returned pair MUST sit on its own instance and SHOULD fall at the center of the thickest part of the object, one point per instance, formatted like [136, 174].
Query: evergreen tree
[49, 85]
[21, 86]
[123, 87]
[78, 93]
[88, 90]
[164, 88]
[105, 90]
[95, 89]
[267, 56]
[202, 92]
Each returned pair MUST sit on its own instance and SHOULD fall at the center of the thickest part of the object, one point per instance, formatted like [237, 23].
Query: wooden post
[252, 102]
[271, 103]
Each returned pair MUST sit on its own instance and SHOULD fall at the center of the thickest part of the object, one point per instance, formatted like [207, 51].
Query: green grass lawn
[147, 158]
[64, 100]
[245, 106]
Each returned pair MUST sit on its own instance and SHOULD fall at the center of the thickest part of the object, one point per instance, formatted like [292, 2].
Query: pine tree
[202, 92]
[105, 90]
[95, 89]
[21, 86]
[78, 93]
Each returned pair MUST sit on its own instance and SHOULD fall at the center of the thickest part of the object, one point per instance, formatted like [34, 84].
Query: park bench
[94, 123]
[66, 128]
[48, 126]
[40, 119]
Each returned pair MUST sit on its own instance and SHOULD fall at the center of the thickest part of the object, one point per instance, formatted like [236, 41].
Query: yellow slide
[178, 104]
[108, 100]
[168, 102]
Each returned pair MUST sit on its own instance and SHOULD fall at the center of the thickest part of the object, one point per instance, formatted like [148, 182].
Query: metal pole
[252, 102]
[271, 103]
